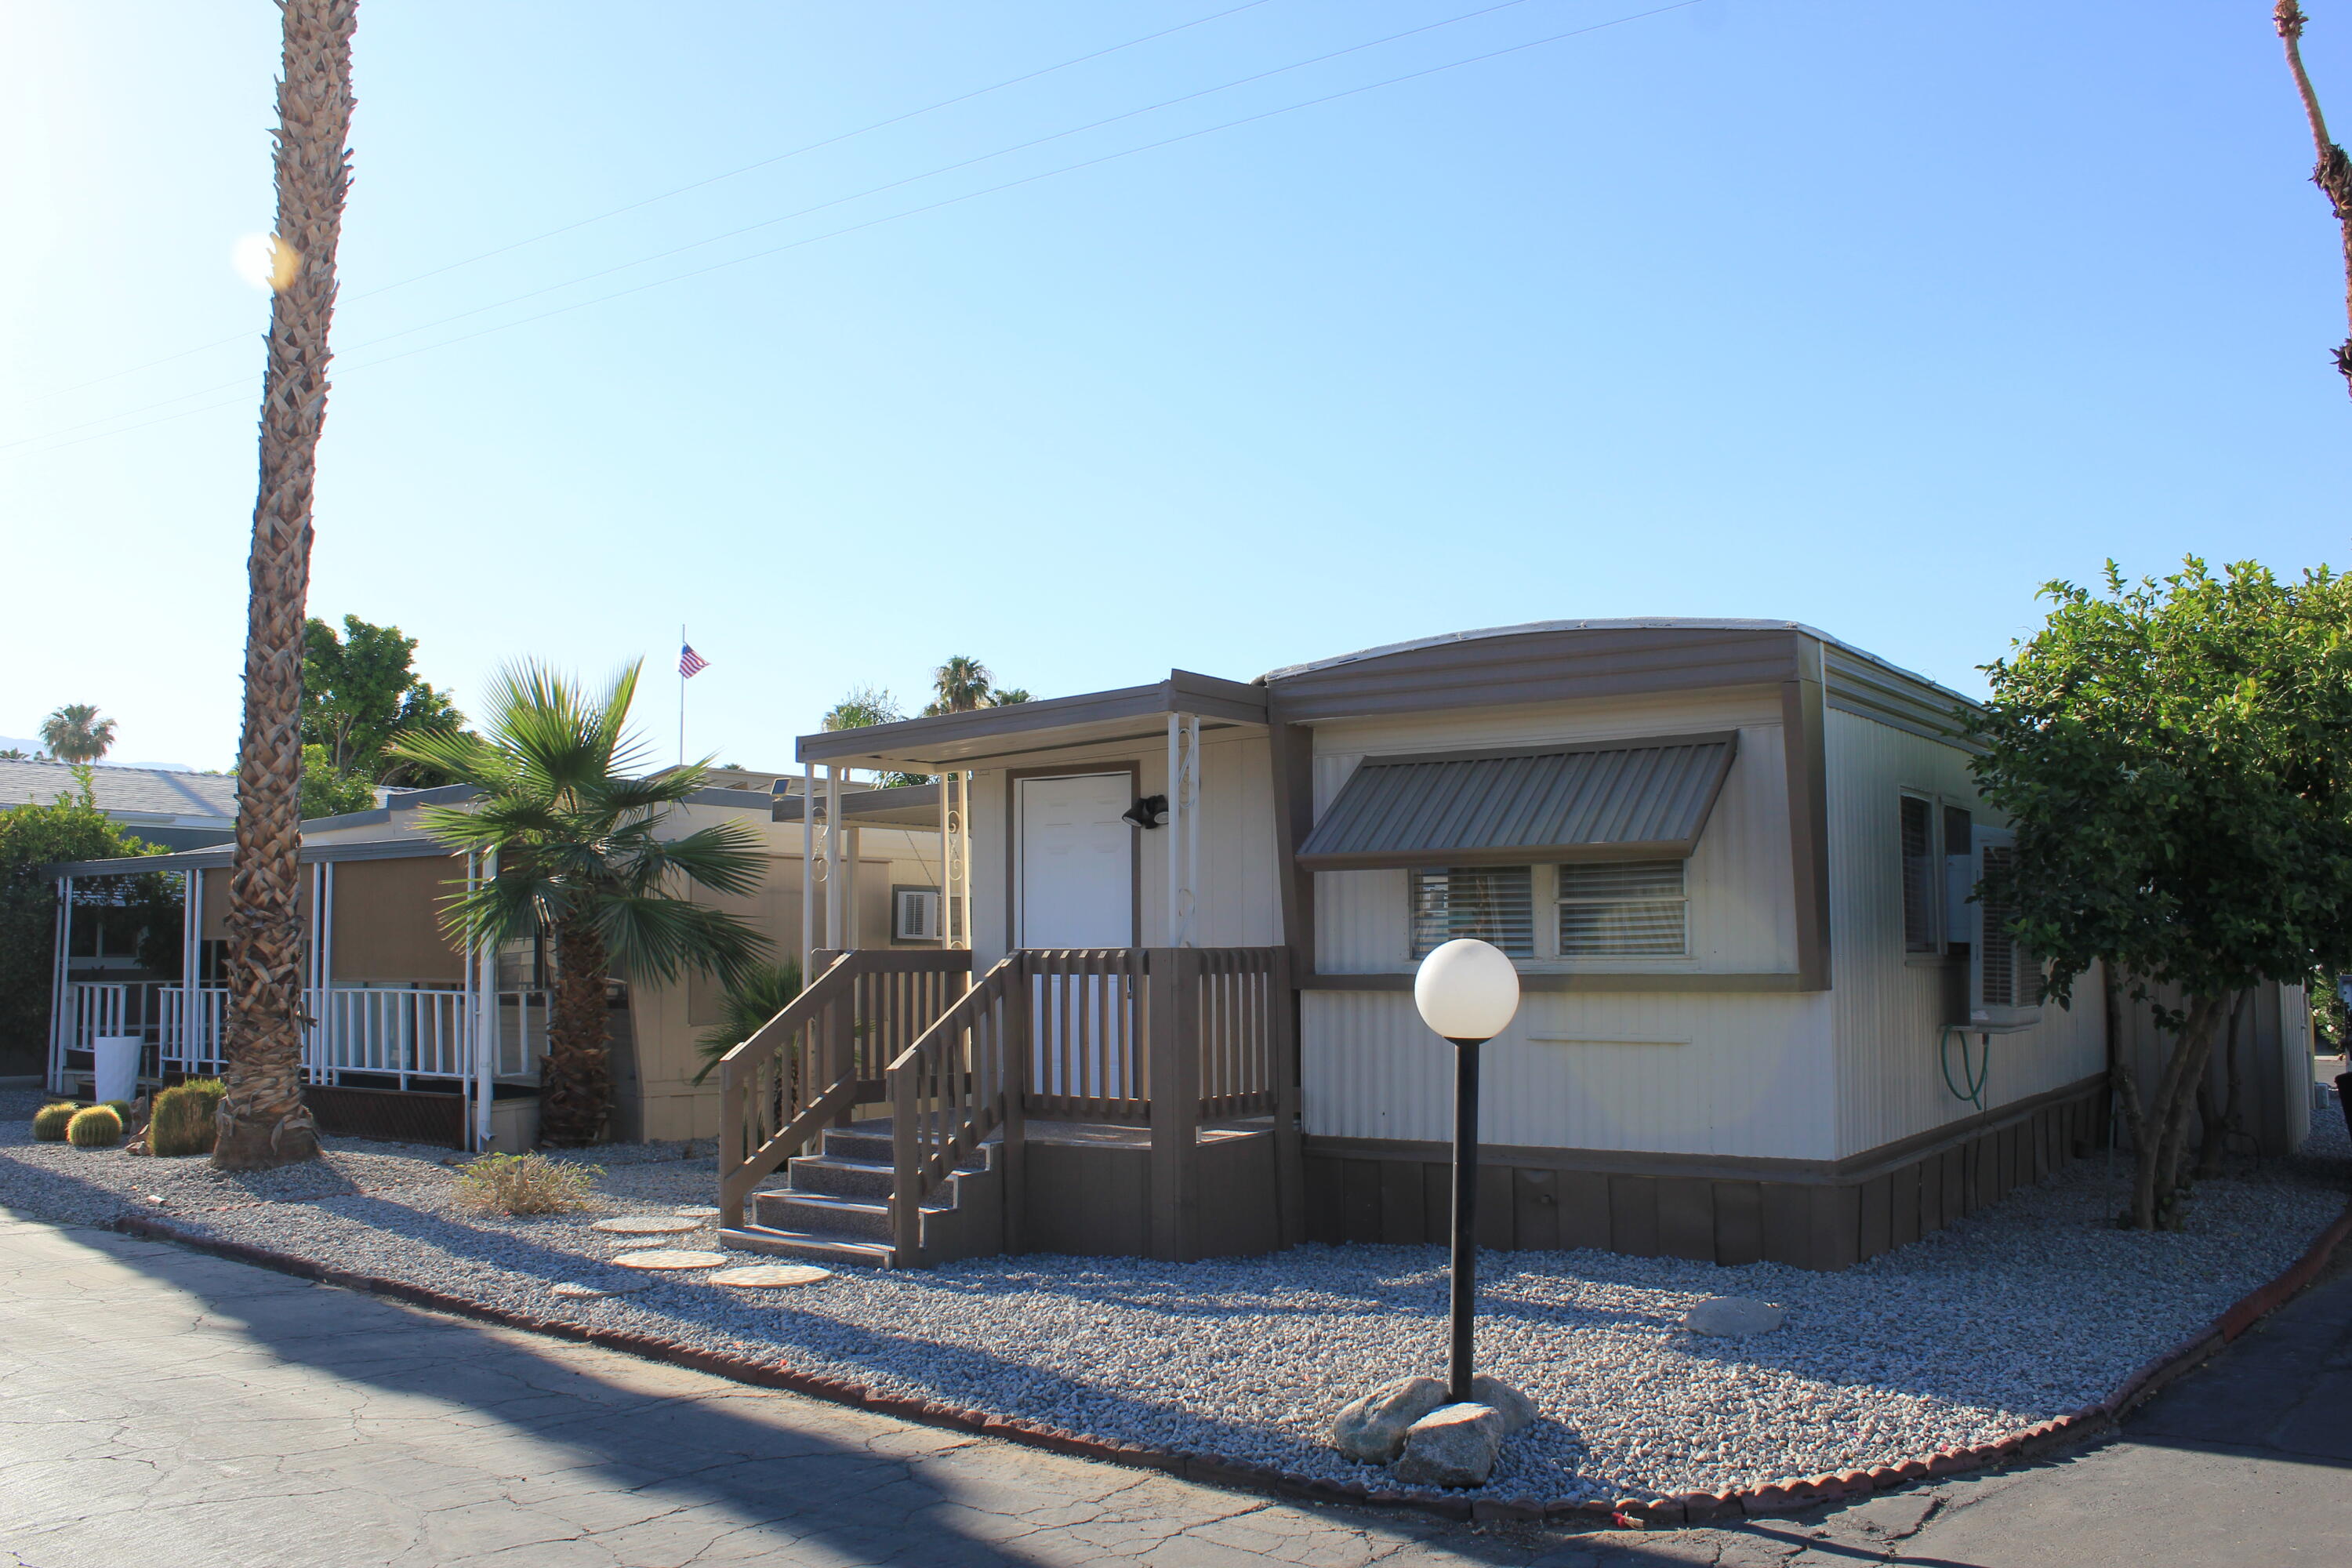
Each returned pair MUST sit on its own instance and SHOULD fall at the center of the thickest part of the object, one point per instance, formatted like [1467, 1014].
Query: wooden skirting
[1812, 1215]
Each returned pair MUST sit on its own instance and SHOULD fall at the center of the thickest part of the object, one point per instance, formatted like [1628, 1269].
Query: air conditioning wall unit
[2004, 980]
[914, 914]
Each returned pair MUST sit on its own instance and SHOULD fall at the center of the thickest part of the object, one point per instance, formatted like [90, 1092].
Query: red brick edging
[1789, 1496]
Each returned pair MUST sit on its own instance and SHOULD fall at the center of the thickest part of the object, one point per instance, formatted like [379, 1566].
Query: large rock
[1517, 1411]
[1730, 1316]
[1453, 1445]
[1372, 1430]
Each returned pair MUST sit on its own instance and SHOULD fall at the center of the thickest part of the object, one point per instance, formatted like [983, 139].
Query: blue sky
[1868, 315]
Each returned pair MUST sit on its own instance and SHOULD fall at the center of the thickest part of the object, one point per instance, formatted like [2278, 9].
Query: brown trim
[1290, 755]
[1013, 781]
[1545, 666]
[1805, 752]
[1584, 980]
[945, 739]
[1558, 748]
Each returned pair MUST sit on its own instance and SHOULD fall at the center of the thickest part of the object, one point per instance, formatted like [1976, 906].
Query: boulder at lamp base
[1371, 1430]
[1517, 1411]
[1453, 1445]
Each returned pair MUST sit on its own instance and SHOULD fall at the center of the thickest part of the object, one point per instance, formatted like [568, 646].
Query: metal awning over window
[1609, 800]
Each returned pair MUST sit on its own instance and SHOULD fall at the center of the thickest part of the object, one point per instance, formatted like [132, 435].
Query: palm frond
[763, 991]
[654, 938]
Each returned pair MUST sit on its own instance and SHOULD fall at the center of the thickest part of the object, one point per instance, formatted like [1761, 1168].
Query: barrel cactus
[49, 1121]
[95, 1127]
[183, 1120]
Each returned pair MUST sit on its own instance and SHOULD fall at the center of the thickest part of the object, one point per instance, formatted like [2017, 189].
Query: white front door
[1077, 861]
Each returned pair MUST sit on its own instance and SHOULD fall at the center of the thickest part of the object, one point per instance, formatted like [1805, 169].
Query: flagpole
[681, 694]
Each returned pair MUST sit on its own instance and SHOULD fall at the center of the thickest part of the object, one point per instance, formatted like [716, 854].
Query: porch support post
[955, 861]
[834, 899]
[61, 991]
[1183, 827]
[192, 947]
[808, 874]
[852, 900]
[1174, 1040]
[486, 1051]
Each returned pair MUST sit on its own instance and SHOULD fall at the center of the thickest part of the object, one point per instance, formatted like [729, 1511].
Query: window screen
[1493, 903]
[1632, 909]
[1919, 876]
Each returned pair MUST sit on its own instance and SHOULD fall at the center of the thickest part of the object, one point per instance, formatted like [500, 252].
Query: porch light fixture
[1468, 991]
[1149, 811]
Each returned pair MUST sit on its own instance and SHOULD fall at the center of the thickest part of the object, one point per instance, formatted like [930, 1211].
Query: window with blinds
[1631, 909]
[1493, 903]
[1918, 876]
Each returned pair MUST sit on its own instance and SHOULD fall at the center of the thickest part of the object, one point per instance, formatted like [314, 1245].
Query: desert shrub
[182, 1122]
[96, 1127]
[49, 1121]
[526, 1184]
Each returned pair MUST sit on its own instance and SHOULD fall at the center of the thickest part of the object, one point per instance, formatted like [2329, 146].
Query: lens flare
[264, 260]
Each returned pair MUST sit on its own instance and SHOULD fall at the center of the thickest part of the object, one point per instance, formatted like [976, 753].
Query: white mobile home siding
[1888, 1005]
[1733, 1073]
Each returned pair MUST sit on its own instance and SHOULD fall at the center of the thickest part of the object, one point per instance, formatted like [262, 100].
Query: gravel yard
[2024, 1312]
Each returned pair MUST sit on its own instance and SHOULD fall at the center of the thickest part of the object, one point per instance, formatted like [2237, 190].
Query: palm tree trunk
[2332, 173]
[576, 1086]
[263, 1120]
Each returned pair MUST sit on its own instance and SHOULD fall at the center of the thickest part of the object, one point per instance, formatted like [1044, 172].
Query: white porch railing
[402, 1032]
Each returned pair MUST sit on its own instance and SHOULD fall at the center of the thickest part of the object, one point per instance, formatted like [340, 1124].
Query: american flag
[690, 663]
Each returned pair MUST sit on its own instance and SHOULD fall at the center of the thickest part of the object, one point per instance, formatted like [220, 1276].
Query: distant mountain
[32, 748]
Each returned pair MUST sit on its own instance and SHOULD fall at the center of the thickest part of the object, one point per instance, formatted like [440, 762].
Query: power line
[712, 180]
[952, 201]
[547, 289]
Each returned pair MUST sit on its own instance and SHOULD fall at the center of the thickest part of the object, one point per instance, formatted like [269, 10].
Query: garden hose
[1974, 1079]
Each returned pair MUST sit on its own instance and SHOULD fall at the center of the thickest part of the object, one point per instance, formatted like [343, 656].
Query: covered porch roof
[988, 737]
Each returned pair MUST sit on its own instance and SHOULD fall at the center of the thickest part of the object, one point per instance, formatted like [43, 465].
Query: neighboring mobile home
[414, 1036]
[1732, 860]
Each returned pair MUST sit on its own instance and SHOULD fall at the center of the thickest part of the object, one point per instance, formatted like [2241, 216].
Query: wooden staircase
[835, 1206]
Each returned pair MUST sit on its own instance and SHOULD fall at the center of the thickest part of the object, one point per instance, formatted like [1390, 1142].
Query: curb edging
[1789, 1494]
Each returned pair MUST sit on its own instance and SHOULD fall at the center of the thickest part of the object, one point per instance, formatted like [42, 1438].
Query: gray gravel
[2028, 1309]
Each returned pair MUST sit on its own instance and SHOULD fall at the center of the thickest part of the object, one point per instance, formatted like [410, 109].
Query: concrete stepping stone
[645, 1224]
[1734, 1316]
[769, 1276]
[665, 1258]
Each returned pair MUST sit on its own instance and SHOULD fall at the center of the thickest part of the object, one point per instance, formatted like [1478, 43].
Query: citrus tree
[2176, 757]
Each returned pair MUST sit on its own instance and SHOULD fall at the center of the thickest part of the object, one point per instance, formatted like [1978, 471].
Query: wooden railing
[1167, 1037]
[805, 1068]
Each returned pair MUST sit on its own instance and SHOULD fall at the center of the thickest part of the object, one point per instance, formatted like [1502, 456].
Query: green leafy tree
[328, 792]
[584, 857]
[75, 734]
[32, 836]
[865, 706]
[2176, 757]
[360, 693]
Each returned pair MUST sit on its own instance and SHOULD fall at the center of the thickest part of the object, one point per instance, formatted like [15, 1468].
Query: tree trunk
[2332, 173]
[2219, 1119]
[576, 1084]
[2156, 1186]
[263, 1120]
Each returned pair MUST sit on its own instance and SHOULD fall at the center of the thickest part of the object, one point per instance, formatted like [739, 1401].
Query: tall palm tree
[263, 1120]
[962, 685]
[582, 857]
[75, 734]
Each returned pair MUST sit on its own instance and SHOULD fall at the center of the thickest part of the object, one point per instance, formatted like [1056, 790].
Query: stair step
[832, 1177]
[819, 1214]
[815, 1248]
[859, 1148]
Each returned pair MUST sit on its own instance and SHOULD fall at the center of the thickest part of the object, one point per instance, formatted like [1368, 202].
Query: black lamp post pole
[1465, 1213]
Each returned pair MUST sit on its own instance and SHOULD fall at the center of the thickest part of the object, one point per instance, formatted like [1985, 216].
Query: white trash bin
[118, 1066]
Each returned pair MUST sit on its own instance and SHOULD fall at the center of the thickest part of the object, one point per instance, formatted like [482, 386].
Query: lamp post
[1466, 990]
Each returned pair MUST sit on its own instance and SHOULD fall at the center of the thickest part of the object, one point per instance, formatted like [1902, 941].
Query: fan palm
[962, 685]
[75, 734]
[758, 995]
[263, 1121]
[583, 859]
